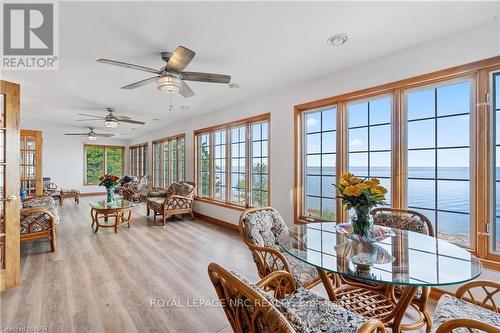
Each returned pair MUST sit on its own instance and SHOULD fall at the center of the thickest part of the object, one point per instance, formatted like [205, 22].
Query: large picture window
[232, 163]
[438, 157]
[138, 159]
[432, 140]
[100, 160]
[169, 163]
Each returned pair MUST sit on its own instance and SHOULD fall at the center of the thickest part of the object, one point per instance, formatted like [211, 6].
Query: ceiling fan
[91, 135]
[111, 120]
[170, 78]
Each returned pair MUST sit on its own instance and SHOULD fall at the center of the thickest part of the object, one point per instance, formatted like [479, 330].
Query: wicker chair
[473, 306]
[417, 222]
[179, 200]
[51, 189]
[466, 325]
[38, 219]
[263, 230]
[133, 190]
[250, 309]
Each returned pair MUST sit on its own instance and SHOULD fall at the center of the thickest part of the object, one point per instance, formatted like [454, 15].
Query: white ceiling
[264, 46]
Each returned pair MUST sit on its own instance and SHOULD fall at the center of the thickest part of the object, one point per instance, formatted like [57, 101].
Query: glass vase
[110, 194]
[361, 223]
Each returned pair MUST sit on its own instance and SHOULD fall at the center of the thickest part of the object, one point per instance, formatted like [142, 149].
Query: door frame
[10, 274]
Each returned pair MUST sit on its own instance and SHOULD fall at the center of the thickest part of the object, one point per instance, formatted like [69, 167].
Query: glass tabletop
[408, 258]
[117, 204]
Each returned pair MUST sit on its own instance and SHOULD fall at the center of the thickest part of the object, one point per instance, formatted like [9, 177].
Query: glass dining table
[364, 277]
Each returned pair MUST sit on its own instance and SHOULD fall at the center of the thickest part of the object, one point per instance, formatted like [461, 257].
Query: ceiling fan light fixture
[92, 137]
[110, 123]
[169, 84]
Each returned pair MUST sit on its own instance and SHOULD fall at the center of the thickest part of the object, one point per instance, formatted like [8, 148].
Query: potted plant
[110, 182]
[361, 195]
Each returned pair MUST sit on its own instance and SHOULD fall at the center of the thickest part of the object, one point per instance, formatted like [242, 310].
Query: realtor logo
[29, 36]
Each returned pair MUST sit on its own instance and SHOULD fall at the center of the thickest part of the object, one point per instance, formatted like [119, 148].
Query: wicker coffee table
[119, 210]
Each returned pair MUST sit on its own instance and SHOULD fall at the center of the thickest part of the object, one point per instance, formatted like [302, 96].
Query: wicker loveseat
[38, 218]
[178, 199]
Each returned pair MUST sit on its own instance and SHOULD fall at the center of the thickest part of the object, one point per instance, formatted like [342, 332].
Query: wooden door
[9, 185]
[31, 162]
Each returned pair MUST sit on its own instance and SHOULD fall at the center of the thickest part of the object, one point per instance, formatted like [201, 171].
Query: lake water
[452, 194]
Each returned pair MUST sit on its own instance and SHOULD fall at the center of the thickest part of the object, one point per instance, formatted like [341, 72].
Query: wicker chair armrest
[489, 290]
[27, 212]
[469, 324]
[281, 283]
[177, 197]
[276, 262]
[372, 326]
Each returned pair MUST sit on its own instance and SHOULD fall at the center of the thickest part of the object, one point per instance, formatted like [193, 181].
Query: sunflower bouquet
[360, 194]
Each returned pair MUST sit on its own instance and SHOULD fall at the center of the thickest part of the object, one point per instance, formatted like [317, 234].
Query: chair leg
[164, 218]
[147, 211]
[61, 198]
[192, 215]
[53, 240]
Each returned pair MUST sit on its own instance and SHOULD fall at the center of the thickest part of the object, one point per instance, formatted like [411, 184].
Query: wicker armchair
[417, 222]
[38, 219]
[473, 306]
[179, 200]
[466, 325]
[263, 230]
[250, 309]
[133, 190]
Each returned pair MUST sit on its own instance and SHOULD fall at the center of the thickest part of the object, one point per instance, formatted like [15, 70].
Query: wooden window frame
[247, 122]
[480, 145]
[167, 141]
[138, 161]
[105, 160]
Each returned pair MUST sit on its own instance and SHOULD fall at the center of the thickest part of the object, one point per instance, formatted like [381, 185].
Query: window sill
[220, 203]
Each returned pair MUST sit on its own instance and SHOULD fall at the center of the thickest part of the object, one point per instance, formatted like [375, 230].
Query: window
[320, 161]
[232, 162]
[169, 164]
[102, 159]
[495, 227]
[369, 137]
[138, 159]
[438, 157]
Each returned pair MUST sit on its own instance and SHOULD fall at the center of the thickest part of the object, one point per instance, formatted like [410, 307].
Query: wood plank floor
[107, 282]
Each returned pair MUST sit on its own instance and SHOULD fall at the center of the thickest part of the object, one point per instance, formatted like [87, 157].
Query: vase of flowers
[109, 182]
[361, 195]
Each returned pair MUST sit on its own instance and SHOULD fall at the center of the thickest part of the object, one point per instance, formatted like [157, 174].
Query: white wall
[63, 158]
[476, 44]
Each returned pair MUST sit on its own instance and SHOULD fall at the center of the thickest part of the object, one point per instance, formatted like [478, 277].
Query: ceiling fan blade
[127, 65]
[206, 77]
[185, 90]
[90, 119]
[77, 134]
[130, 121]
[90, 115]
[140, 83]
[121, 117]
[104, 135]
[181, 57]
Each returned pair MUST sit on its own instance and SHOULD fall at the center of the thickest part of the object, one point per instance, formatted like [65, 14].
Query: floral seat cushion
[38, 221]
[450, 307]
[303, 273]
[310, 313]
[401, 221]
[183, 189]
[157, 192]
[266, 228]
[318, 314]
[70, 192]
[156, 203]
